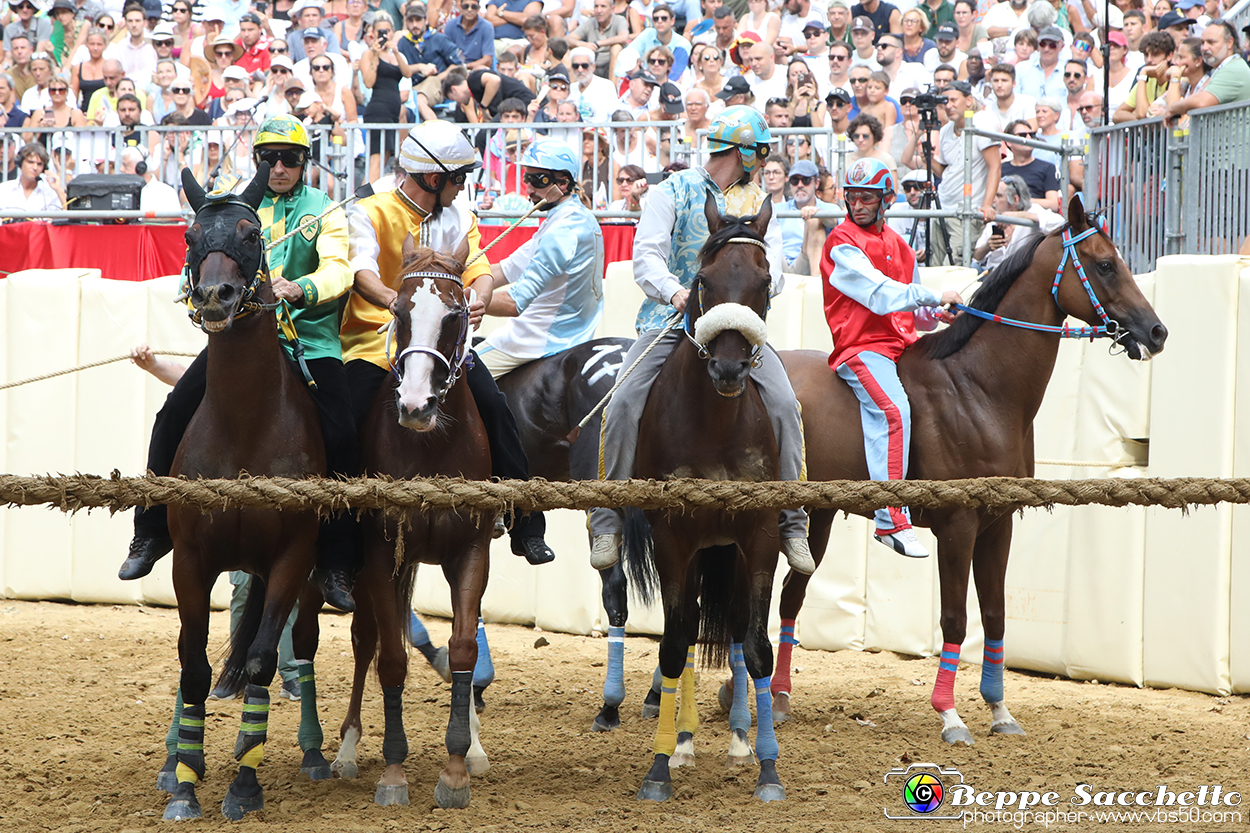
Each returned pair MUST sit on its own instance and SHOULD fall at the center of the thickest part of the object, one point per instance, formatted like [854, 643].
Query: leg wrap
[394, 740]
[992, 671]
[688, 715]
[740, 711]
[310, 736]
[666, 728]
[191, 744]
[458, 735]
[484, 671]
[785, 645]
[419, 637]
[765, 739]
[614, 682]
[254, 727]
[171, 737]
[944, 689]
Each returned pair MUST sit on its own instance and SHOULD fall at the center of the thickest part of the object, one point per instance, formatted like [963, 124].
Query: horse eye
[1106, 266]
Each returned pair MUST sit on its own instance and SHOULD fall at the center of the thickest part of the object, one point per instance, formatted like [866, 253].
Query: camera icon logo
[922, 788]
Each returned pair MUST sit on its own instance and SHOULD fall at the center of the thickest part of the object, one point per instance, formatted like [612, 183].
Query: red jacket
[856, 328]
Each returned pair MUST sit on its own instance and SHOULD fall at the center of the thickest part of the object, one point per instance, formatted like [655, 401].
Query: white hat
[234, 72]
[915, 176]
[281, 61]
[161, 30]
[243, 105]
[433, 142]
[300, 5]
[212, 12]
[307, 100]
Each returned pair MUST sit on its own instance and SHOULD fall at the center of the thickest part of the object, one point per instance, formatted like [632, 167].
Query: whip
[537, 206]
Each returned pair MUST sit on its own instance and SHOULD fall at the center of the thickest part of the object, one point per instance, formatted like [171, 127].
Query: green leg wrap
[191, 744]
[171, 737]
[310, 736]
[255, 723]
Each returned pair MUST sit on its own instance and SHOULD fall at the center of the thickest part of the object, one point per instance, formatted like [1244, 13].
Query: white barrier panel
[1239, 574]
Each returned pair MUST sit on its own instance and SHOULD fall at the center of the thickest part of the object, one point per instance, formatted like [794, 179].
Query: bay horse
[974, 389]
[549, 397]
[422, 424]
[705, 418]
[256, 416]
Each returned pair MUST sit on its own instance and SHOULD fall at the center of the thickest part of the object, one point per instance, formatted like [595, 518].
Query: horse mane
[428, 260]
[734, 227]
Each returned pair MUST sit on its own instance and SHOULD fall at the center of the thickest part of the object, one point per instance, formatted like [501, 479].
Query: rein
[459, 361]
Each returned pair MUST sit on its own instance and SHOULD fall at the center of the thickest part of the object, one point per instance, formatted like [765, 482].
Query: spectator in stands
[970, 31]
[155, 195]
[916, 43]
[62, 113]
[1004, 18]
[943, 77]
[706, 62]
[864, 50]
[1176, 25]
[912, 229]
[1041, 76]
[1050, 127]
[177, 149]
[481, 93]
[232, 78]
[839, 12]
[11, 115]
[803, 238]
[158, 97]
[803, 93]
[104, 100]
[135, 53]
[663, 35]
[65, 31]
[1041, 176]
[885, 17]
[815, 53]
[777, 113]
[901, 74]
[431, 55]
[224, 52]
[1230, 76]
[595, 95]
[723, 32]
[839, 69]
[38, 30]
[1090, 109]
[1023, 47]
[163, 43]
[867, 134]
[87, 75]
[605, 33]
[546, 107]
[947, 50]
[659, 62]
[773, 179]
[795, 16]
[698, 104]
[36, 96]
[316, 46]
[1122, 77]
[184, 104]
[633, 145]
[36, 189]
[507, 17]
[631, 184]
[998, 240]
[1076, 84]
[760, 19]
[1151, 82]
[885, 109]
[764, 79]
[339, 102]
[1184, 76]
[305, 15]
[254, 43]
[1006, 105]
[596, 165]
[1134, 29]
[352, 29]
[473, 35]
[835, 113]
[737, 91]
[185, 27]
[129, 119]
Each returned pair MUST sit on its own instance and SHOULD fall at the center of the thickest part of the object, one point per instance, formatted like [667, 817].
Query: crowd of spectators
[656, 71]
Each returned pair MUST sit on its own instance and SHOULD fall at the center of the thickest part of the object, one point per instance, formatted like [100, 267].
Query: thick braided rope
[71, 493]
[86, 366]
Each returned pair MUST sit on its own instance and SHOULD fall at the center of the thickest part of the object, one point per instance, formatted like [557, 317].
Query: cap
[1117, 38]
[734, 86]
[300, 5]
[234, 73]
[863, 24]
[414, 10]
[151, 8]
[839, 94]
[213, 13]
[1182, 5]
[947, 32]
[960, 87]
[841, 4]
[67, 5]
[281, 61]
[915, 176]
[1174, 19]
[306, 100]
[804, 167]
[250, 17]
[910, 92]
[747, 39]
[815, 23]
[643, 75]
[670, 97]
[313, 33]
[1050, 33]
[293, 83]
[558, 72]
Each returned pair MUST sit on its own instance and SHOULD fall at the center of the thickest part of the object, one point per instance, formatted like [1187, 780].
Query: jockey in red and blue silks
[873, 303]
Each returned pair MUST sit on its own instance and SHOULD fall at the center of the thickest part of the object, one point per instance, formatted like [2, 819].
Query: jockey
[671, 232]
[435, 159]
[871, 289]
[555, 295]
[310, 272]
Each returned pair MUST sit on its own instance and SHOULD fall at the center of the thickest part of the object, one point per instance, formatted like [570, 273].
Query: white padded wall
[1239, 566]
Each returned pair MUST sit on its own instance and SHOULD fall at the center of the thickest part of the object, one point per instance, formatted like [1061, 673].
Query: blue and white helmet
[552, 155]
[744, 128]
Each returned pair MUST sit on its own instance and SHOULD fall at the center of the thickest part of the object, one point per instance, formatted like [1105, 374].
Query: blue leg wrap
[766, 748]
[740, 711]
[614, 682]
[484, 671]
[992, 671]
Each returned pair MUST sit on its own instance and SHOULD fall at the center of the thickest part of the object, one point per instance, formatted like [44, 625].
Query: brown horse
[705, 418]
[974, 390]
[256, 416]
[425, 424]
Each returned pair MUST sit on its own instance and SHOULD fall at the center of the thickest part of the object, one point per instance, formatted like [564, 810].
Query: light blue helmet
[552, 155]
[743, 128]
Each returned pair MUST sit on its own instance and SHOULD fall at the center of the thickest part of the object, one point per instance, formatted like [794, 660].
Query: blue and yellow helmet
[743, 128]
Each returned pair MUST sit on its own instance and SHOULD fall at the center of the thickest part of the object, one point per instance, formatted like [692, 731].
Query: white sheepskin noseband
[731, 317]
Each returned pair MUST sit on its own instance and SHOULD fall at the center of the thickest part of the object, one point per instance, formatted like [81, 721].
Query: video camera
[927, 103]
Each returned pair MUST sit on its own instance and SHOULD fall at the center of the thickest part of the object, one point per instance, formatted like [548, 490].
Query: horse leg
[192, 587]
[304, 637]
[956, 536]
[687, 714]
[419, 638]
[651, 703]
[467, 578]
[616, 603]
[793, 592]
[761, 556]
[390, 619]
[167, 778]
[483, 670]
[989, 570]
[364, 645]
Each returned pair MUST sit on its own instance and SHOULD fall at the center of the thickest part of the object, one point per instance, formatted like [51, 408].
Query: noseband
[219, 237]
[460, 360]
[697, 290]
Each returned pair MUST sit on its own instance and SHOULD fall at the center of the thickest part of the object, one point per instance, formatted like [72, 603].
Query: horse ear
[1076, 214]
[193, 190]
[409, 247]
[255, 191]
[715, 220]
[759, 223]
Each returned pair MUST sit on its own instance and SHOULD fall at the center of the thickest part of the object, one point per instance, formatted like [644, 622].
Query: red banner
[618, 241]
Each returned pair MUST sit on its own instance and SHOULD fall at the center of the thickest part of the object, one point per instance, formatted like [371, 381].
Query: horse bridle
[248, 303]
[460, 358]
[697, 289]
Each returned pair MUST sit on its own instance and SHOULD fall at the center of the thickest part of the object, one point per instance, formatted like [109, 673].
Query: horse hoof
[608, 718]
[451, 798]
[650, 711]
[958, 734]
[315, 766]
[681, 759]
[441, 664]
[1008, 728]
[479, 705]
[655, 791]
[167, 778]
[781, 707]
[344, 769]
[387, 795]
[770, 792]
[477, 764]
[235, 807]
[725, 696]
[183, 810]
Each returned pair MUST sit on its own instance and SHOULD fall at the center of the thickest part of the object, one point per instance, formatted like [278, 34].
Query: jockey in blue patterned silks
[671, 232]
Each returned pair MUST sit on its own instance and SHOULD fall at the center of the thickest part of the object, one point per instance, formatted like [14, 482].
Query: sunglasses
[853, 197]
[280, 70]
[713, 56]
[802, 180]
[61, 90]
[1049, 44]
[1085, 107]
[224, 53]
[470, 6]
[540, 179]
[906, 100]
[859, 80]
[581, 66]
[180, 90]
[108, 27]
[838, 57]
[624, 180]
[163, 42]
[658, 62]
[557, 85]
[911, 186]
[321, 67]
[181, 10]
[289, 157]
[660, 18]
[277, 50]
[1024, 135]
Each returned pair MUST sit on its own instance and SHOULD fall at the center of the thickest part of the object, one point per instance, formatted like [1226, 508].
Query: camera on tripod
[927, 103]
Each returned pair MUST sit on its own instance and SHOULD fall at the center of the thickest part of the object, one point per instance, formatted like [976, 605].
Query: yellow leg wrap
[666, 728]
[253, 756]
[688, 714]
[185, 774]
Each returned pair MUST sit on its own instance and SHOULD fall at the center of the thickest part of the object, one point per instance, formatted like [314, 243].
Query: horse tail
[639, 553]
[242, 637]
[718, 602]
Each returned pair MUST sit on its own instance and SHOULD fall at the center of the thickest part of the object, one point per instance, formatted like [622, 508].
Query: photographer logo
[923, 789]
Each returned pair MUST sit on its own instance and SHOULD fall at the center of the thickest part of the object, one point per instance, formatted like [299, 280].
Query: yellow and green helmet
[284, 130]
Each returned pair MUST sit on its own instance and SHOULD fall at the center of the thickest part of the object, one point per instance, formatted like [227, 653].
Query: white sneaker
[904, 542]
[605, 550]
[799, 555]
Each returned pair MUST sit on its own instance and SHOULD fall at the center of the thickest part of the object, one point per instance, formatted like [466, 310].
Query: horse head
[431, 331]
[729, 299]
[225, 250]
[1101, 290]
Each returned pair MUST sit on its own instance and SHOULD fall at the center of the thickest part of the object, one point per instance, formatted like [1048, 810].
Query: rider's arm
[364, 251]
[652, 243]
[502, 274]
[334, 273]
[552, 258]
[855, 277]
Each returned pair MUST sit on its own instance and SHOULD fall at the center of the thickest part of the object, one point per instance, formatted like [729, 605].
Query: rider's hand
[476, 310]
[950, 296]
[679, 299]
[143, 357]
[287, 291]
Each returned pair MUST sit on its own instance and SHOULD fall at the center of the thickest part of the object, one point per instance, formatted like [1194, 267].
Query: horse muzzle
[215, 306]
[1144, 342]
[729, 376]
[421, 418]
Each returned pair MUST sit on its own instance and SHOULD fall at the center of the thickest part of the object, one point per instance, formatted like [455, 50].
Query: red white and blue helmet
[552, 155]
[743, 128]
[872, 175]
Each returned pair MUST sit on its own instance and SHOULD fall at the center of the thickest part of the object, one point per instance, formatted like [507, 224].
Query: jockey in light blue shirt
[555, 281]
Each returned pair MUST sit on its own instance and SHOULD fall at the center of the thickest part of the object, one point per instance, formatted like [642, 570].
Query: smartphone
[998, 230]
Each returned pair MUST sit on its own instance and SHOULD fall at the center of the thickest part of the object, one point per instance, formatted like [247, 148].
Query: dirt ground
[86, 695]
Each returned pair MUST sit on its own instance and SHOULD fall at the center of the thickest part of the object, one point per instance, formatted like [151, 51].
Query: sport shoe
[290, 690]
[904, 542]
[224, 691]
[605, 550]
[144, 553]
[799, 555]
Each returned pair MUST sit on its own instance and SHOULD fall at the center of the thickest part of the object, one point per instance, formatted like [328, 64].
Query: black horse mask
[218, 214]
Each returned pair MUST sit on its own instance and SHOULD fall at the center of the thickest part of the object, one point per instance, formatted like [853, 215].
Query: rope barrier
[88, 366]
[74, 492]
